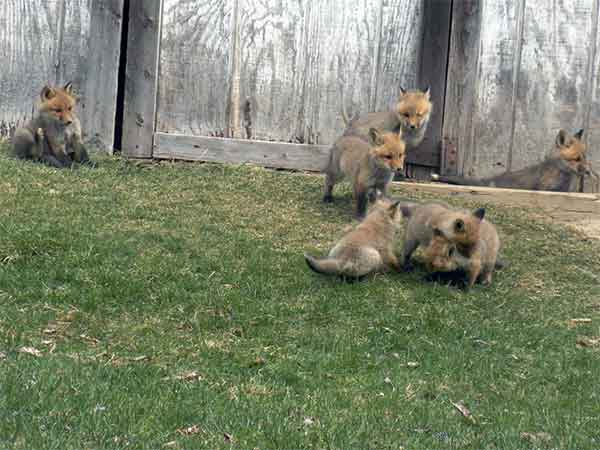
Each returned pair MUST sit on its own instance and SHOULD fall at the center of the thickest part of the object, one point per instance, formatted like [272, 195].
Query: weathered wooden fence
[283, 70]
[55, 41]
[266, 81]
[518, 72]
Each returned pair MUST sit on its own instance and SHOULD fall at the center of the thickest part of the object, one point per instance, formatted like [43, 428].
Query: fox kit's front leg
[57, 156]
[362, 199]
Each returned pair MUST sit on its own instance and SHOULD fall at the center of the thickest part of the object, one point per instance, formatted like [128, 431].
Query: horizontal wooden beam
[241, 151]
[563, 202]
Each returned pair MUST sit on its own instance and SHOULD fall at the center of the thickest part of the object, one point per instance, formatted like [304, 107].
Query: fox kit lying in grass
[367, 249]
[409, 117]
[452, 240]
[369, 165]
[478, 260]
[561, 172]
[60, 138]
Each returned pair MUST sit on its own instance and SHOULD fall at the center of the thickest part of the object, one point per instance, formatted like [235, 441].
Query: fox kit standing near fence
[370, 165]
[58, 140]
[561, 172]
[368, 248]
[409, 117]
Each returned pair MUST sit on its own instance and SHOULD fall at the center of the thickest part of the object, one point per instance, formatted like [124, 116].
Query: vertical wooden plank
[498, 71]
[461, 88]
[593, 107]
[432, 73]
[195, 67]
[141, 83]
[553, 77]
[97, 111]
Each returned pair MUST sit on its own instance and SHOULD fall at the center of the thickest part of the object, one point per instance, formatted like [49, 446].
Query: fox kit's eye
[58, 110]
[578, 159]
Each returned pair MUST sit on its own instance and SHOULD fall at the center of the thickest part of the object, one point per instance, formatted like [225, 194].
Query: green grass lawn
[172, 308]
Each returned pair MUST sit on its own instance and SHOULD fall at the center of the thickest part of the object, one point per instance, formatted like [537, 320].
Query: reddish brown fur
[413, 108]
[370, 165]
[59, 103]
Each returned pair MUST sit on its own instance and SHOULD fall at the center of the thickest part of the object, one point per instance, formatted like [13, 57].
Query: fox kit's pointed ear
[69, 88]
[394, 208]
[47, 93]
[579, 134]
[427, 92]
[561, 138]
[402, 91]
[375, 136]
[479, 213]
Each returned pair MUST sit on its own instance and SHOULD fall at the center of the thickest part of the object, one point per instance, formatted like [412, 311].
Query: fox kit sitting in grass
[478, 260]
[369, 165]
[431, 220]
[367, 249]
[59, 140]
[410, 117]
[560, 172]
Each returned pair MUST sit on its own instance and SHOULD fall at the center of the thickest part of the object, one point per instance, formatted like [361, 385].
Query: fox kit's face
[388, 149]
[572, 151]
[413, 109]
[462, 229]
[439, 255]
[58, 103]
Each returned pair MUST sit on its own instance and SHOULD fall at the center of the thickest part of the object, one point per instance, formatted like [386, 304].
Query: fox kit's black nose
[68, 122]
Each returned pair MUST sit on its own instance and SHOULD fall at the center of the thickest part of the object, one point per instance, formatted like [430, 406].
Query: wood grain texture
[461, 88]
[55, 41]
[593, 107]
[432, 74]
[524, 72]
[97, 111]
[194, 81]
[141, 83]
[553, 76]
[299, 60]
[241, 151]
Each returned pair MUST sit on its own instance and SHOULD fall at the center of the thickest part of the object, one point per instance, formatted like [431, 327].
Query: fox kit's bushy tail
[451, 179]
[362, 264]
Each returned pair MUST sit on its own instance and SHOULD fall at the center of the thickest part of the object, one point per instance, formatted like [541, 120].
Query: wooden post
[141, 79]
[461, 94]
[98, 106]
[432, 73]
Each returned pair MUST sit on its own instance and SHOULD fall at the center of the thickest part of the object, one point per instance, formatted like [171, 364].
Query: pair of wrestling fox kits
[452, 239]
[53, 136]
[373, 147]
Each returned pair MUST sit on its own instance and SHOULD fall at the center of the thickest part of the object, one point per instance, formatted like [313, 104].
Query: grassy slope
[199, 267]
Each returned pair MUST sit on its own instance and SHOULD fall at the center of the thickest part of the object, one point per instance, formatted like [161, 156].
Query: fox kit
[560, 172]
[370, 165]
[366, 249]
[478, 260]
[409, 117]
[460, 227]
[56, 140]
